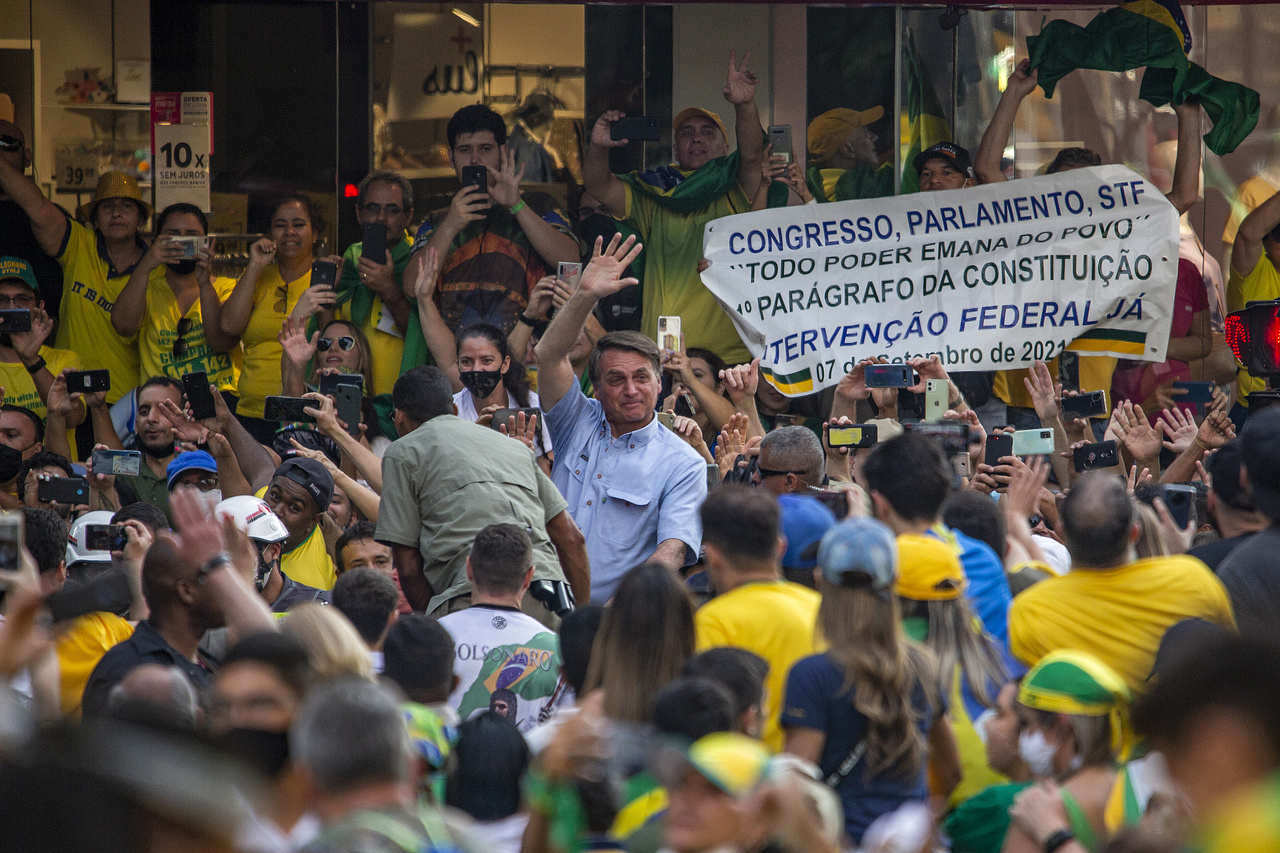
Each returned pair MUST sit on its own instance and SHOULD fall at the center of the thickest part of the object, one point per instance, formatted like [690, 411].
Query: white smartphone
[669, 333]
[935, 400]
[1033, 442]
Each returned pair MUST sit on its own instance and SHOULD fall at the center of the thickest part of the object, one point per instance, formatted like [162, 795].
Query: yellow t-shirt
[160, 331]
[79, 648]
[89, 290]
[1262, 283]
[273, 300]
[1095, 375]
[20, 387]
[776, 620]
[1119, 615]
[310, 564]
[386, 349]
[673, 247]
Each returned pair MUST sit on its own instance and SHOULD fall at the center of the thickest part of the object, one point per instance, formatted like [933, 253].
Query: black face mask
[185, 266]
[10, 462]
[596, 225]
[266, 751]
[481, 383]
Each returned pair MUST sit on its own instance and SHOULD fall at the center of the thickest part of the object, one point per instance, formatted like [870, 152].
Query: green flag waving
[926, 123]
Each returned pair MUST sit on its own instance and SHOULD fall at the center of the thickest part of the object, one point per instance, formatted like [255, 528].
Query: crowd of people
[429, 546]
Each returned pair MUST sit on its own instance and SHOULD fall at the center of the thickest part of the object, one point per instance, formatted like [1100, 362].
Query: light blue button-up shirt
[627, 494]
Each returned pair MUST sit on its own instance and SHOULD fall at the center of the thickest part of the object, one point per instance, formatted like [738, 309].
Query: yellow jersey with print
[79, 648]
[1262, 283]
[386, 339]
[20, 386]
[776, 620]
[90, 288]
[273, 300]
[172, 343]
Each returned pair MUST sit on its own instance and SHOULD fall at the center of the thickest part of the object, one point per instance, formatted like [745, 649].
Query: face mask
[481, 383]
[1037, 753]
[268, 751]
[184, 267]
[10, 462]
[212, 498]
[596, 225]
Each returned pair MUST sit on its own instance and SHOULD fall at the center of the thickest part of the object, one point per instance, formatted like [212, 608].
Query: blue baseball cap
[859, 552]
[803, 521]
[192, 460]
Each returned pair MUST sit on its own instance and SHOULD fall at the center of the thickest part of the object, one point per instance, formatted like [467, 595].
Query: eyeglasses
[180, 345]
[390, 210]
[345, 343]
[22, 300]
[10, 143]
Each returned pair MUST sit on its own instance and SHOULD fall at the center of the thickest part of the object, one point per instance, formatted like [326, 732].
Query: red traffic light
[1254, 337]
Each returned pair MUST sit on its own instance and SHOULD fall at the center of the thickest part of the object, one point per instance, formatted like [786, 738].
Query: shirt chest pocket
[624, 516]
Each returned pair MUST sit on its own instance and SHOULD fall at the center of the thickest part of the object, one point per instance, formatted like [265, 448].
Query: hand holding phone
[88, 381]
[374, 245]
[196, 386]
[999, 445]
[635, 129]
[1098, 455]
[888, 375]
[854, 436]
[324, 273]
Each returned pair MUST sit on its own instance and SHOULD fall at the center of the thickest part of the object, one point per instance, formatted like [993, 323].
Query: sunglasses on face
[345, 343]
[10, 143]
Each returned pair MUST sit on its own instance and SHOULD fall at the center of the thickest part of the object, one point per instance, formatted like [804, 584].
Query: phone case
[998, 445]
[347, 404]
[1101, 454]
[287, 409]
[1033, 442]
[936, 392]
[669, 332]
[88, 381]
[1089, 405]
[888, 376]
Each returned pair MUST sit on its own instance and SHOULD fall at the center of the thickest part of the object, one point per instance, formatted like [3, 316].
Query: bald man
[16, 236]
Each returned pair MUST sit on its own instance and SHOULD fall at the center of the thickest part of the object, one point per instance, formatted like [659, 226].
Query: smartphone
[64, 490]
[374, 245]
[324, 272]
[683, 407]
[1179, 499]
[1197, 392]
[476, 176]
[888, 375]
[713, 475]
[668, 420]
[960, 461]
[952, 435]
[190, 245]
[107, 593]
[117, 462]
[1033, 442]
[834, 501]
[857, 435]
[331, 382]
[669, 332]
[570, 272]
[1100, 454]
[936, 395]
[780, 140]
[1069, 370]
[785, 420]
[11, 527]
[14, 320]
[998, 444]
[88, 381]
[199, 397]
[347, 404]
[288, 409]
[1091, 404]
[635, 129]
[105, 537]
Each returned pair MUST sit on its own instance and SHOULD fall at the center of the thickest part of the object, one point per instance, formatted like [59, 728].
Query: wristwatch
[526, 320]
[1058, 839]
[36, 366]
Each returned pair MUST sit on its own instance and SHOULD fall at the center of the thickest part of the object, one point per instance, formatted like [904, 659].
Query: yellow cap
[829, 131]
[114, 185]
[928, 569]
[689, 112]
[732, 762]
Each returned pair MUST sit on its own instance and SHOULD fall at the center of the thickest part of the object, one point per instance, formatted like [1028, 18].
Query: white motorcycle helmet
[254, 517]
[77, 548]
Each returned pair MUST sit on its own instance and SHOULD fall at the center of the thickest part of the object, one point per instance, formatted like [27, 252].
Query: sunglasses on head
[345, 343]
[10, 143]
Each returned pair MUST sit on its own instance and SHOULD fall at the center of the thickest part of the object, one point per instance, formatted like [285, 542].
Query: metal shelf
[120, 108]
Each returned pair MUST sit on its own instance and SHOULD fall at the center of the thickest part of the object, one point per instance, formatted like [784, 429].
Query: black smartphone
[374, 247]
[199, 397]
[1091, 404]
[888, 375]
[855, 435]
[127, 463]
[503, 416]
[635, 129]
[64, 490]
[952, 435]
[108, 592]
[682, 408]
[346, 402]
[331, 382]
[780, 140]
[88, 381]
[105, 537]
[288, 409]
[1197, 392]
[784, 420]
[476, 176]
[14, 320]
[1180, 500]
[837, 502]
[1100, 454]
[324, 272]
[998, 444]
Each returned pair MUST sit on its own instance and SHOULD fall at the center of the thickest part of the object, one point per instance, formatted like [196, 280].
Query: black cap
[949, 151]
[312, 476]
[1224, 469]
[1260, 456]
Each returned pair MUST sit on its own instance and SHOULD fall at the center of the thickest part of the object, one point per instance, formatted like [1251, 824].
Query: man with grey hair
[371, 290]
[352, 746]
[159, 685]
[791, 460]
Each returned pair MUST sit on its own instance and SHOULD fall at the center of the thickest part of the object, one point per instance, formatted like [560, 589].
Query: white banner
[987, 278]
[181, 165]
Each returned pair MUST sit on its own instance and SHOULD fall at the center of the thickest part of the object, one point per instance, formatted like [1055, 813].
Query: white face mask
[212, 498]
[1037, 753]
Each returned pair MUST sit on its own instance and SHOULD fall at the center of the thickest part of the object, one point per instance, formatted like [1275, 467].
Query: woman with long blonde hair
[867, 711]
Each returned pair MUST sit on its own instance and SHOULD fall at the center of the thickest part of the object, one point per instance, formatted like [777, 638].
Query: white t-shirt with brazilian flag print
[505, 661]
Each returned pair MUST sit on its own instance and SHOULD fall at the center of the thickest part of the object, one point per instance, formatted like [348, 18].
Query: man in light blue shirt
[633, 486]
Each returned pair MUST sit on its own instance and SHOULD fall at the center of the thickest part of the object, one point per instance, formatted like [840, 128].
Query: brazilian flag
[1151, 34]
[926, 123]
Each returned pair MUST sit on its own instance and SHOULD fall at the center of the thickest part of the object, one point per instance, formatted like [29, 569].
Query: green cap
[11, 267]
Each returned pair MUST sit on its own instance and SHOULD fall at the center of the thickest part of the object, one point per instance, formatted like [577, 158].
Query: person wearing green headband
[1075, 728]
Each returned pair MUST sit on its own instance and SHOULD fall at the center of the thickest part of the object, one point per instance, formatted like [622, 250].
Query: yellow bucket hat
[114, 185]
[829, 131]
